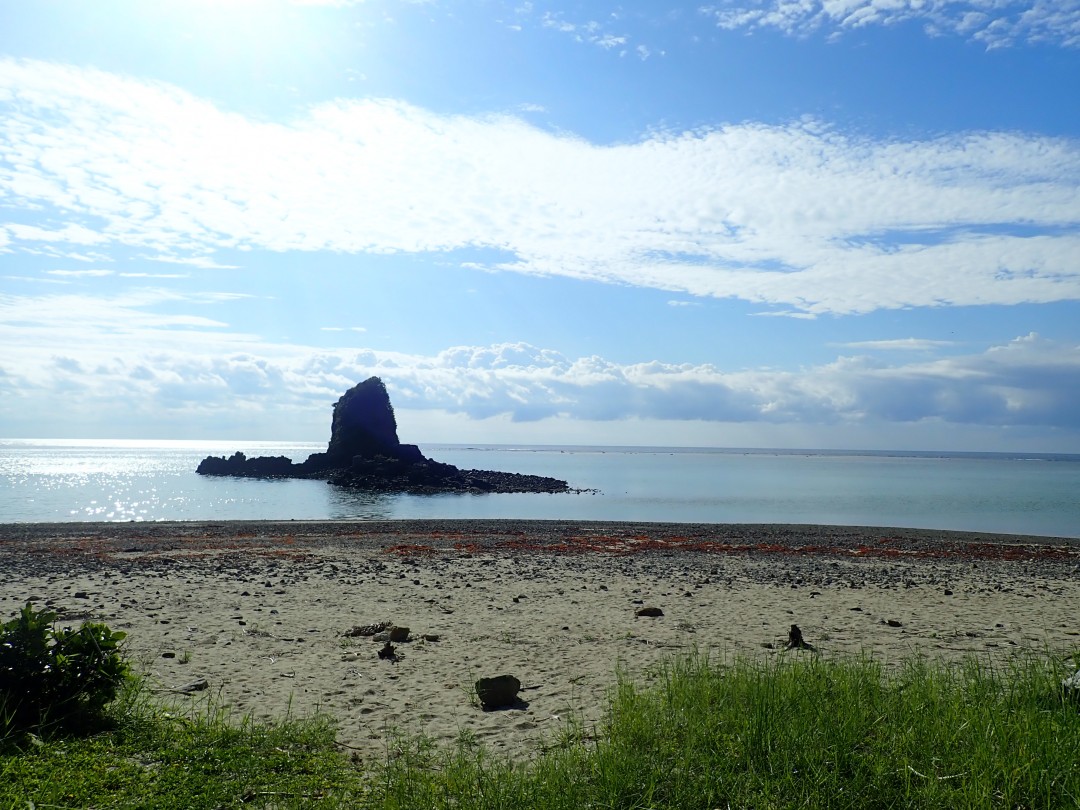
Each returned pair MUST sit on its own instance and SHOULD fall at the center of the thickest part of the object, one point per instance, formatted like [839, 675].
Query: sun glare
[232, 29]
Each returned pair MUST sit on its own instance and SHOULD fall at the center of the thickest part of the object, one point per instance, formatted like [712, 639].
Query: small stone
[430, 637]
[398, 633]
[651, 612]
[168, 655]
[497, 692]
[894, 623]
[82, 595]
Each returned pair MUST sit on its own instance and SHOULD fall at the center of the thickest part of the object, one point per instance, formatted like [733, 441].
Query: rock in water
[363, 424]
[365, 453]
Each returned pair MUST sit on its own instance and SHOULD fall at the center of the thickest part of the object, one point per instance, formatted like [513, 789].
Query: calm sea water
[58, 480]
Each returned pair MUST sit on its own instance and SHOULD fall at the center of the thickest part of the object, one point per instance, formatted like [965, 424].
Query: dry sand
[259, 610]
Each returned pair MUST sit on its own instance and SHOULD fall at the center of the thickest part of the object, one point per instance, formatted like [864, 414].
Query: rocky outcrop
[365, 453]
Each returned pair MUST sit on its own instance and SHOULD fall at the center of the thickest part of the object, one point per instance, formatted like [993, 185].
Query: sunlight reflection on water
[73, 481]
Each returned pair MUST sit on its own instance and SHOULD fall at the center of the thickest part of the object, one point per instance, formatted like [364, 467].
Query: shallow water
[108, 480]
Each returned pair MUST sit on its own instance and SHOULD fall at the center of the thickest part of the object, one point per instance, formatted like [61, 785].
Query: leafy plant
[52, 677]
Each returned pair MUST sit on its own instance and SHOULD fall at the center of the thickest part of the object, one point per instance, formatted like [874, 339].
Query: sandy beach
[267, 614]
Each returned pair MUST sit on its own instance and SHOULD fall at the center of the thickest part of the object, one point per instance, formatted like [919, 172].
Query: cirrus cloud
[800, 218]
[995, 23]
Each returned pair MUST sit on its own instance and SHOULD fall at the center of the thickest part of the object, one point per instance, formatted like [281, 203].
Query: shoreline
[486, 528]
[260, 610]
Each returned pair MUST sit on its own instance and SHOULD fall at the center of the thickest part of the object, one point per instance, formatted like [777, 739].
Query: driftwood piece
[795, 640]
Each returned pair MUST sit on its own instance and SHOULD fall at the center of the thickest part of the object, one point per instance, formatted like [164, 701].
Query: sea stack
[364, 423]
[363, 428]
[365, 453]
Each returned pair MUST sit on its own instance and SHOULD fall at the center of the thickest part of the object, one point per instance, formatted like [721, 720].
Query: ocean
[1038, 494]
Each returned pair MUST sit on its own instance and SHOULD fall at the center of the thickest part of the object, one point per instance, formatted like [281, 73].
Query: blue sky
[790, 223]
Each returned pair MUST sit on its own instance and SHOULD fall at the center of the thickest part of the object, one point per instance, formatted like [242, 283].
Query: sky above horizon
[744, 223]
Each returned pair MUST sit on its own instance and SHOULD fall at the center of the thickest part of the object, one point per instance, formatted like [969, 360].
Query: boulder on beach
[365, 453]
[498, 692]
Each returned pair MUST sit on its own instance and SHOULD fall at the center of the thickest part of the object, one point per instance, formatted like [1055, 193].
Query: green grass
[152, 758]
[794, 732]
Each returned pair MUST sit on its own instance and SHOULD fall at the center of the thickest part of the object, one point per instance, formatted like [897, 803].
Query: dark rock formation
[363, 424]
[498, 692]
[239, 464]
[795, 640]
[365, 453]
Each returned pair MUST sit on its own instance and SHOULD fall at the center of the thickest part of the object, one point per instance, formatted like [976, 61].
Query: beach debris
[388, 653]
[1071, 685]
[795, 640]
[195, 686]
[652, 612]
[392, 633]
[894, 623]
[497, 692]
[366, 629]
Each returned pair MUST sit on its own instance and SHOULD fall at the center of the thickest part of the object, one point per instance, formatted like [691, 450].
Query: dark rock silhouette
[796, 641]
[364, 425]
[365, 453]
[498, 692]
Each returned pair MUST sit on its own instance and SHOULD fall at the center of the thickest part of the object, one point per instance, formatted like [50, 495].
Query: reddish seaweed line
[604, 544]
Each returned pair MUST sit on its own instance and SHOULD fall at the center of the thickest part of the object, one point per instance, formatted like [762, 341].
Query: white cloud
[800, 217]
[202, 262]
[899, 344]
[125, 348]
[80, 273]
[995, 23]
[590, 32]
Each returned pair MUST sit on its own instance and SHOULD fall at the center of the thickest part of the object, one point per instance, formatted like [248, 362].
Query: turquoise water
[1034, 494]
